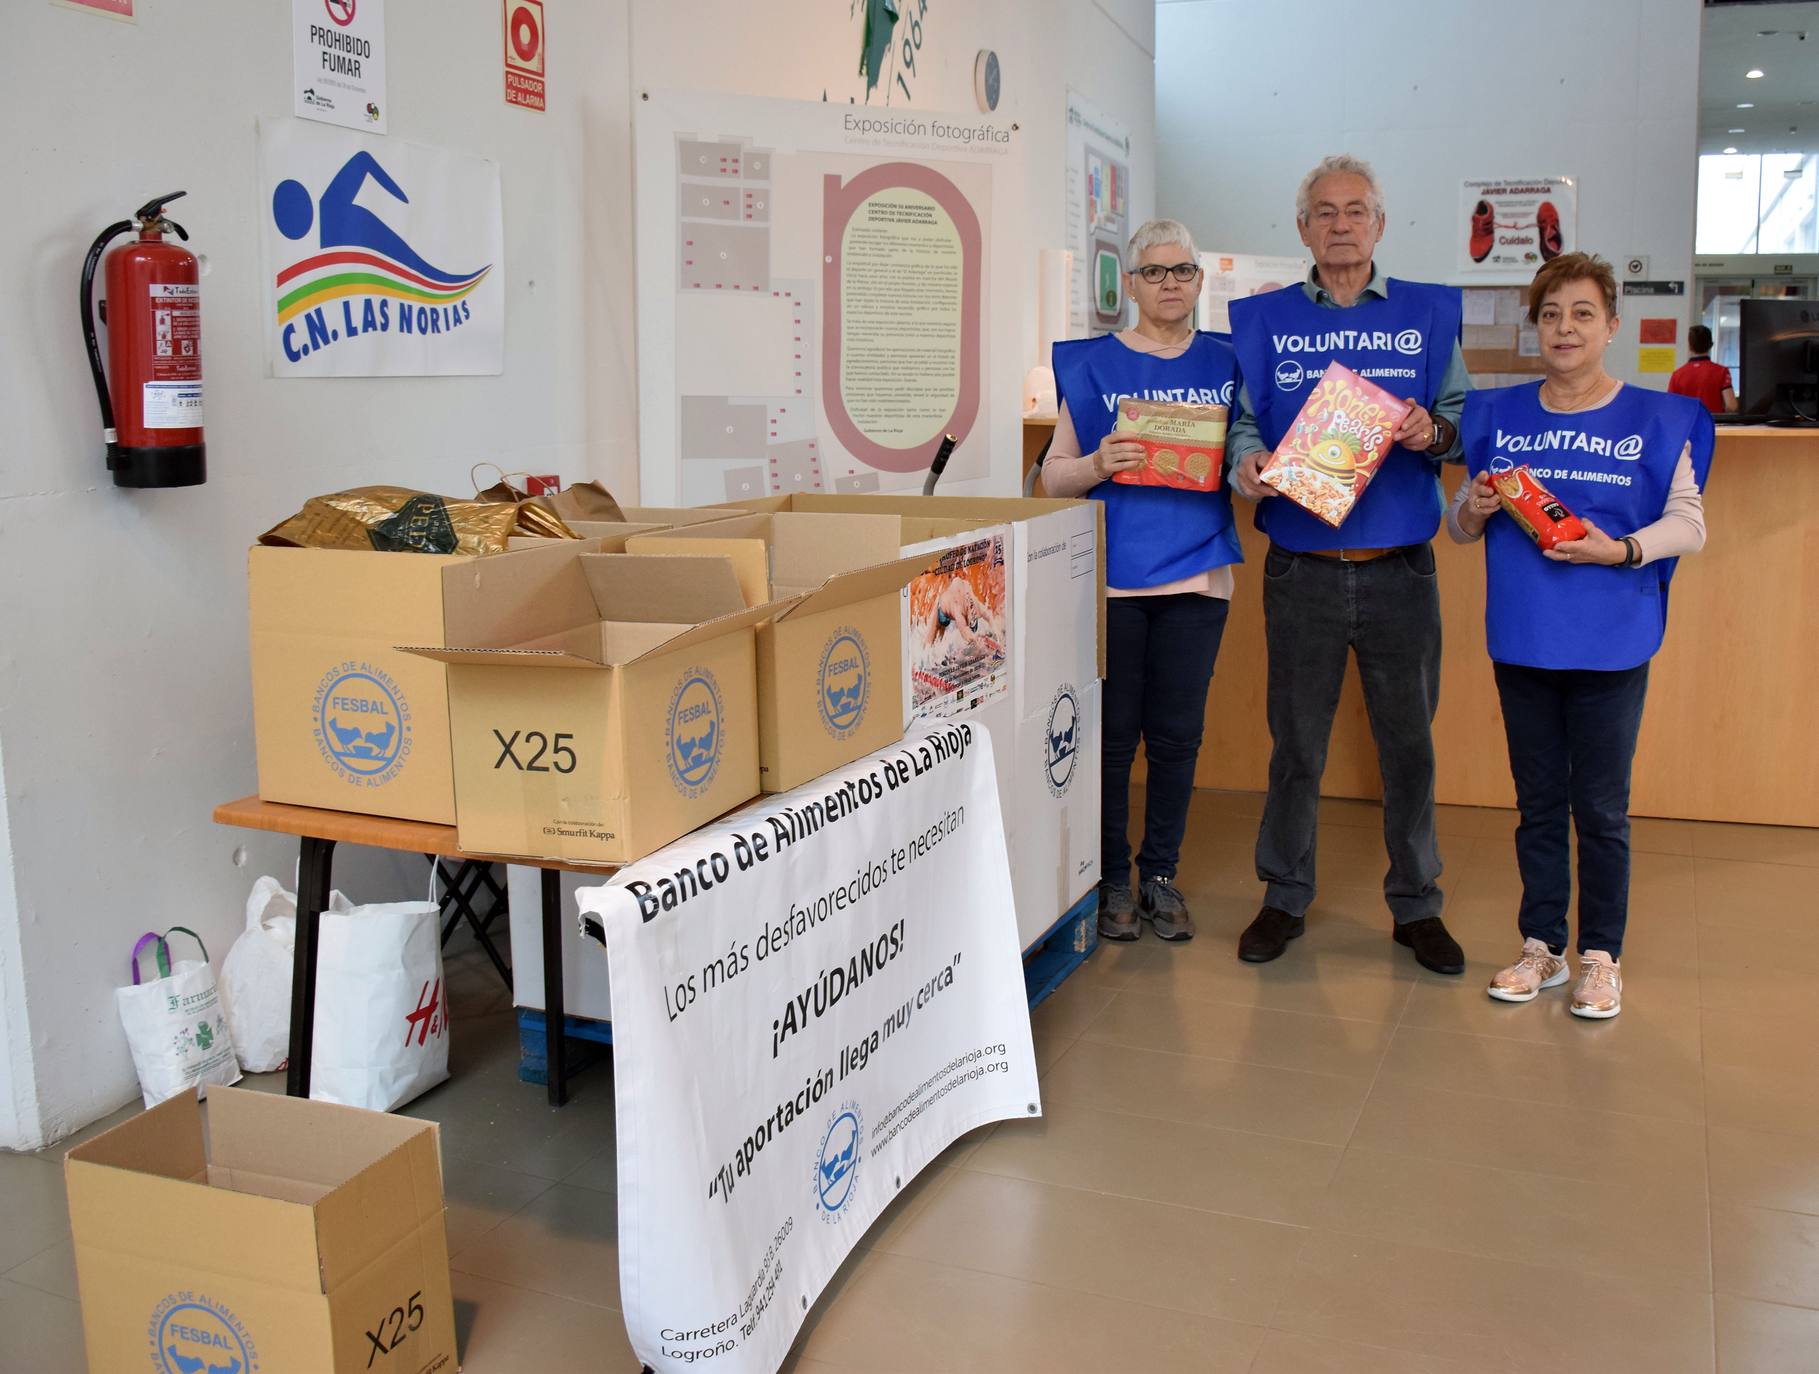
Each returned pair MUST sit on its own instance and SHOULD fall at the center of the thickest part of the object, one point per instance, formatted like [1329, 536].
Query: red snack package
[1535, 508]
[1183, 445]
[1336, 445]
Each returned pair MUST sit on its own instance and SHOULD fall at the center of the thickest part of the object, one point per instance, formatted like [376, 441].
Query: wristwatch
[1435, 445]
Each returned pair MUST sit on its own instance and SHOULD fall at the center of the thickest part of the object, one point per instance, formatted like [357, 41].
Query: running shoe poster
[1511, 227]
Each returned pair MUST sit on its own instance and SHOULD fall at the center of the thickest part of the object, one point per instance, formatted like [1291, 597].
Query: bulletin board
[1501, 347]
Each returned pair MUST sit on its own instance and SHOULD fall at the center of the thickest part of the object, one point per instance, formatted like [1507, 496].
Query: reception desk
[1730, 728]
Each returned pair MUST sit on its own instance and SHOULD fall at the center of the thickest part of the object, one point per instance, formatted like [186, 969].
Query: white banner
[383, 258]
[811, 999]
[338, 62]
[1097, 216]
[1509, 227]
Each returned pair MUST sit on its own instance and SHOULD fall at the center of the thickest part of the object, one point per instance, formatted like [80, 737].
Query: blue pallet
[1067, 945]
[594, 1037]
[1063, 948]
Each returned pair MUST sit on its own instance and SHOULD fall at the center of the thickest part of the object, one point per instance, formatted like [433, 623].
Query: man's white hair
[1333, 166]
[1153, 235]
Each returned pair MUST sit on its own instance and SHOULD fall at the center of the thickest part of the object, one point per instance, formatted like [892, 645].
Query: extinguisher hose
[89, 264]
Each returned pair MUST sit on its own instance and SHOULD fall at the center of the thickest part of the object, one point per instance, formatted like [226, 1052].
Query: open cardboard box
[830, 667]
[291, 1235]
[600, 705]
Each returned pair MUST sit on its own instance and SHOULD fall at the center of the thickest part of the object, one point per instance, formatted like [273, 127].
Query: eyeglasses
[1354, 214]
[1181, 271]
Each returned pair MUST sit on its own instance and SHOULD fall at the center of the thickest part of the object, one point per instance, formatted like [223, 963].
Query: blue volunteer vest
[1403, 342]
[1612, 466]
[1153, 535]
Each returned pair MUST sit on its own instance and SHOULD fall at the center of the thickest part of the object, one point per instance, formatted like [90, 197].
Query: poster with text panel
[812, 998]
[1509, 227]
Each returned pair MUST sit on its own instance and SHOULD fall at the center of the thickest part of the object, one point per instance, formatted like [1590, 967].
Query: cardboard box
[600, 705]
[830, 675]
[341, 719]
[294, 1235]
[1054, 796]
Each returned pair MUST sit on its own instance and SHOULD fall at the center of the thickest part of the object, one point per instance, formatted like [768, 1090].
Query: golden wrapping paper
[399, 520]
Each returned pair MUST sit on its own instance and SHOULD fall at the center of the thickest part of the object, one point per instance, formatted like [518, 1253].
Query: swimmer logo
[1062, 741]
[362, 724]
[694, 738]
[837, 1162]
[191, 1333]
[841, 687]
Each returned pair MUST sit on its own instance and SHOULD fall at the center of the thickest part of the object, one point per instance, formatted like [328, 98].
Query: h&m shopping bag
[381, 1006]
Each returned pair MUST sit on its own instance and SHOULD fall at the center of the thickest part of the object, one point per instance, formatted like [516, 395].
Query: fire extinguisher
[151, 417]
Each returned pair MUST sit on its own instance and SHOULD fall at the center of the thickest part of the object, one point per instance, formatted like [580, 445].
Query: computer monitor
[1779, 360]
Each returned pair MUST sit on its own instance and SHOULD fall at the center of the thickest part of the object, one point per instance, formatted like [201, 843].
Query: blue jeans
[1158, 664]
[1572, 737]
[1316, 611]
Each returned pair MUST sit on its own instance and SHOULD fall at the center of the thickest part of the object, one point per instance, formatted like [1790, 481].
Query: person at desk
[1572, 628]
[1168, 561]
[1701, 378]
[1367, 588]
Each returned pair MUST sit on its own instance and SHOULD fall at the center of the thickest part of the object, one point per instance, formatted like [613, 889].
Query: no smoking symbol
[341, 11]
[524, 31]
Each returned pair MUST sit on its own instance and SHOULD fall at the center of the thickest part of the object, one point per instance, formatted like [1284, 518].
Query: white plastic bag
[256, 977]
[381, 1006]
[174, 1024]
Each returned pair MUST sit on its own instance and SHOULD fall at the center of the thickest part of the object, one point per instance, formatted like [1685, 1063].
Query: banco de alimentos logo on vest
[363, 278]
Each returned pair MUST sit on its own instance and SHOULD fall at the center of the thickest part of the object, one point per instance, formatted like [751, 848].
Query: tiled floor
[1335, 1163]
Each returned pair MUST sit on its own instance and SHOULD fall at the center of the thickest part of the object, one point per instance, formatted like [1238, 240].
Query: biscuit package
[1336, 444]
[1535, 508]
[1183, 445]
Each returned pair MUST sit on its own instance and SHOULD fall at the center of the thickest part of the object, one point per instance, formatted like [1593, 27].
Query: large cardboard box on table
[341, 718]
[292, 1235]
[600, 705]
[830, 679]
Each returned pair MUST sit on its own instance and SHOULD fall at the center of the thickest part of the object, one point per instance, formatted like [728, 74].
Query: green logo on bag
[204, 1036]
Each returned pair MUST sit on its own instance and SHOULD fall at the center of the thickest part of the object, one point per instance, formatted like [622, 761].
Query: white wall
[124, 703]
[1249, 96]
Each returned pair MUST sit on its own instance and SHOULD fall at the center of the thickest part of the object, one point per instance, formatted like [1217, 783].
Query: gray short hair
[1333, 166]
[1153, 235]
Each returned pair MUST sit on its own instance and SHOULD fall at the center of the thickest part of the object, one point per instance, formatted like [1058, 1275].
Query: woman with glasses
[1168, 567]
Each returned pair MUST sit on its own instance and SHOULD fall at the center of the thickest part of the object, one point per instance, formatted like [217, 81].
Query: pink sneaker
[1525, 978]
[1599, 994]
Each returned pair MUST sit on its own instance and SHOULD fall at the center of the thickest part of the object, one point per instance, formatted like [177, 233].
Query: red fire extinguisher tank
[151, 396]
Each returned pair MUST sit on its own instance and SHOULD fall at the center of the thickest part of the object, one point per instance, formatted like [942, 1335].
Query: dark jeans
[1572, 737]
[1387, 612]
[1158, 663]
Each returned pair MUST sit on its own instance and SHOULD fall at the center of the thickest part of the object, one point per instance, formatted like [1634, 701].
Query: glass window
[1758, 203]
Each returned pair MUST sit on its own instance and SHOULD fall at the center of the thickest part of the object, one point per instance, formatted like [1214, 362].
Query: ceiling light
[1736, 131]
[1730, 150]
[1746, 105]
[1754, 74]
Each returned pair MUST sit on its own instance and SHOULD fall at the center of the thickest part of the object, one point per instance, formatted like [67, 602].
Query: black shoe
[1433, 947]
[1266, 937]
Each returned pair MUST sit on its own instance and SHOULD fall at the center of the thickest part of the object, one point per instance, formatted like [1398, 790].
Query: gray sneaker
[1166, 909]
[1118, 912]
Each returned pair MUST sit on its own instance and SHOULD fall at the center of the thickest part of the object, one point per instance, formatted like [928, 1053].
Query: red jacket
[1704, 379]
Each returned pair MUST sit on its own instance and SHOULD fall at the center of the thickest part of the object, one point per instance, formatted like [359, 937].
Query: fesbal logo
[362, 724]
[842, 686]
[695, 738]
[1062, 742]
[1289, 375]
[191, 1333]
[837, 1161]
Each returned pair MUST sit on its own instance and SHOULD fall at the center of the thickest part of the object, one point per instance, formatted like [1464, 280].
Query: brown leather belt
[1354, 555]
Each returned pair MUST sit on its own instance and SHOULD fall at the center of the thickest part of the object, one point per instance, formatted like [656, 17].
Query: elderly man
[1367, 586]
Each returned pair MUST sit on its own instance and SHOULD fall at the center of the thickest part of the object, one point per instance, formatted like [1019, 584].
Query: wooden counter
[1729, 731]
